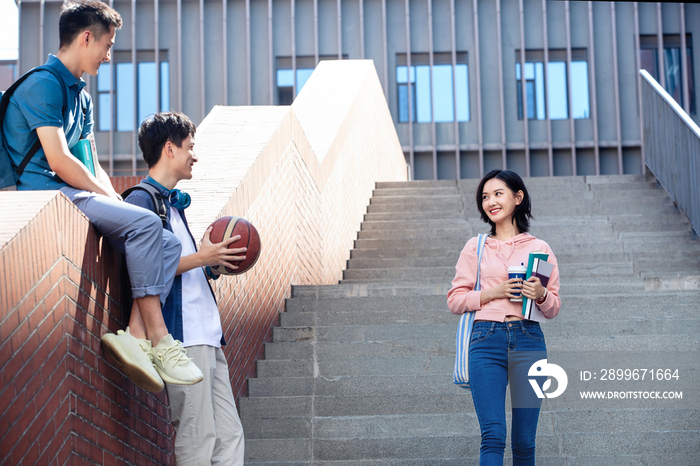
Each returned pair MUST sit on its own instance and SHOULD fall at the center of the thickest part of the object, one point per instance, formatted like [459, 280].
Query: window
[555, 99]
[285, 76]
[433, 98]
[285, 84]
[673, 65]
[144, 94]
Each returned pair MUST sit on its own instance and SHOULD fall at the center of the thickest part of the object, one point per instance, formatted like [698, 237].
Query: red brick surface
[61, 401]
[122, 183]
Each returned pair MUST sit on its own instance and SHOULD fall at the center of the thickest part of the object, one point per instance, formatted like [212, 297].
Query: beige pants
[208, 430]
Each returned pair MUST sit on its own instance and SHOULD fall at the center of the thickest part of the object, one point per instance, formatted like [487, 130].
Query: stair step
[457, 223]
[613, 180]
[617, 460]
[368, 289]
[418, 192]
[414, 216]
[408, 448]
[422, 201]
[425, 303]
[335, 406]
[443, 205]
[416, 184]
[435, 250]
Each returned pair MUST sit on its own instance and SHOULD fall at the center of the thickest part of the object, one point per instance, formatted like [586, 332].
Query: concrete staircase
[361, 372]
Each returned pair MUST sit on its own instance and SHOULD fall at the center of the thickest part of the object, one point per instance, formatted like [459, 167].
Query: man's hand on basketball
[215, 254]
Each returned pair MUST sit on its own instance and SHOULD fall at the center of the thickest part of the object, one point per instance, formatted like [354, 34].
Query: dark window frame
[671, 42]
[423, 60]
[555, 56]
[123, 57]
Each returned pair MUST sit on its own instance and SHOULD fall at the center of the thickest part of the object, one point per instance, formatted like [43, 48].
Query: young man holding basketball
[38, 108]
[208, 429]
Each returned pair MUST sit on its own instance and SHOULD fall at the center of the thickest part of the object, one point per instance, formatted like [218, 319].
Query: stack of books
[537, 266]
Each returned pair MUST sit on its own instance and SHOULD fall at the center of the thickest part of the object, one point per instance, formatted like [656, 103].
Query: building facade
[453, 72]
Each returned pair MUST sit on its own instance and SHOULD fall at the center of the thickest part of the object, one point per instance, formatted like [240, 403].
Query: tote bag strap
[481, 241]
[466, 324]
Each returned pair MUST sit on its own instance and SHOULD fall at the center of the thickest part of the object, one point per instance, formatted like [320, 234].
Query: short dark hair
[162, 127]
[521, 214]
[79, 16]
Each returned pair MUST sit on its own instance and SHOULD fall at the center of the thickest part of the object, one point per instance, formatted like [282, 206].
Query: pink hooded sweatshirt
[495, 260]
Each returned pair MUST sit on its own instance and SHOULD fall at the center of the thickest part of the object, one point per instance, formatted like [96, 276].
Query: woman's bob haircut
[521, 214]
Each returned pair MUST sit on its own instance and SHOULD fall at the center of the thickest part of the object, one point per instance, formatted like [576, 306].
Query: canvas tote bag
[466, 325]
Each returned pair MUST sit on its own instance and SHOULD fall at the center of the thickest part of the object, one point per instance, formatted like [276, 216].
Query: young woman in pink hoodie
[503, 345]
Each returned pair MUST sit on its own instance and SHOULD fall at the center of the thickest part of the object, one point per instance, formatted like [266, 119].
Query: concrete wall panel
[167, 42]
[626, 57]
[556, 25]
[281, 30]
[420, 41]
[260, 60]
[510, 25]
[328, 27]
[145, 32]
[464, 42]
[304, 27]
[237, 72]
[191, 80]
[442, 40]
[647, 18]
[52, 11]
[671, 18]
[605, 83]
[534, 29]
[213, 54]
[490, 89]
[374, 44]
[351, 28]
[396, 43]
[579, 24]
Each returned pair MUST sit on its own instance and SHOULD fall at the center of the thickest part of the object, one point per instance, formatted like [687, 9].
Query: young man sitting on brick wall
[208, 429]
[87, 32]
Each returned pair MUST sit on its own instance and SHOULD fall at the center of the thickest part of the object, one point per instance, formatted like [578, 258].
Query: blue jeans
[500, 352]
[152, 252]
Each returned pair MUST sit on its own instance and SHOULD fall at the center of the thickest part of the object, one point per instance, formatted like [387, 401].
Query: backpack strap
[159, 207]
[5, 101]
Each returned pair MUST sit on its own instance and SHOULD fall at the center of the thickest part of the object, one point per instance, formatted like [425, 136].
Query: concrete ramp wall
[302, 175]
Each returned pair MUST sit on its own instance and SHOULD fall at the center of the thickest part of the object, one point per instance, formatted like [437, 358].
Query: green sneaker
[134, 358]
[172, 363]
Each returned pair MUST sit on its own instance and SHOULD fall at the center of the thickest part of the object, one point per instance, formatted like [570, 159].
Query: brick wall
[302, 174]
[61, 402]
[122, 183]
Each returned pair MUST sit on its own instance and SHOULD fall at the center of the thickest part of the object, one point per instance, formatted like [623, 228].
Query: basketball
[227, 227]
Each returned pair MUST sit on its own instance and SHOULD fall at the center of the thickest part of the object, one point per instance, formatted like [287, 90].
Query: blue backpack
[9, 174]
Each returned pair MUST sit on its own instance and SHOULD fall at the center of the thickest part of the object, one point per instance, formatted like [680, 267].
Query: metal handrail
[672, 148]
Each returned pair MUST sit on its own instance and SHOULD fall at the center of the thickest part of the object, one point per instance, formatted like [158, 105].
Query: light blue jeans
[152, 252]
[500, 352]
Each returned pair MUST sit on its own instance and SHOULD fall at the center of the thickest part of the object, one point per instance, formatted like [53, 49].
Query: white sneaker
[172, 363]
[133, 355]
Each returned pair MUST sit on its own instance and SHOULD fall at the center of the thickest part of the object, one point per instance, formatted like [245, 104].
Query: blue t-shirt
[38, 102]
